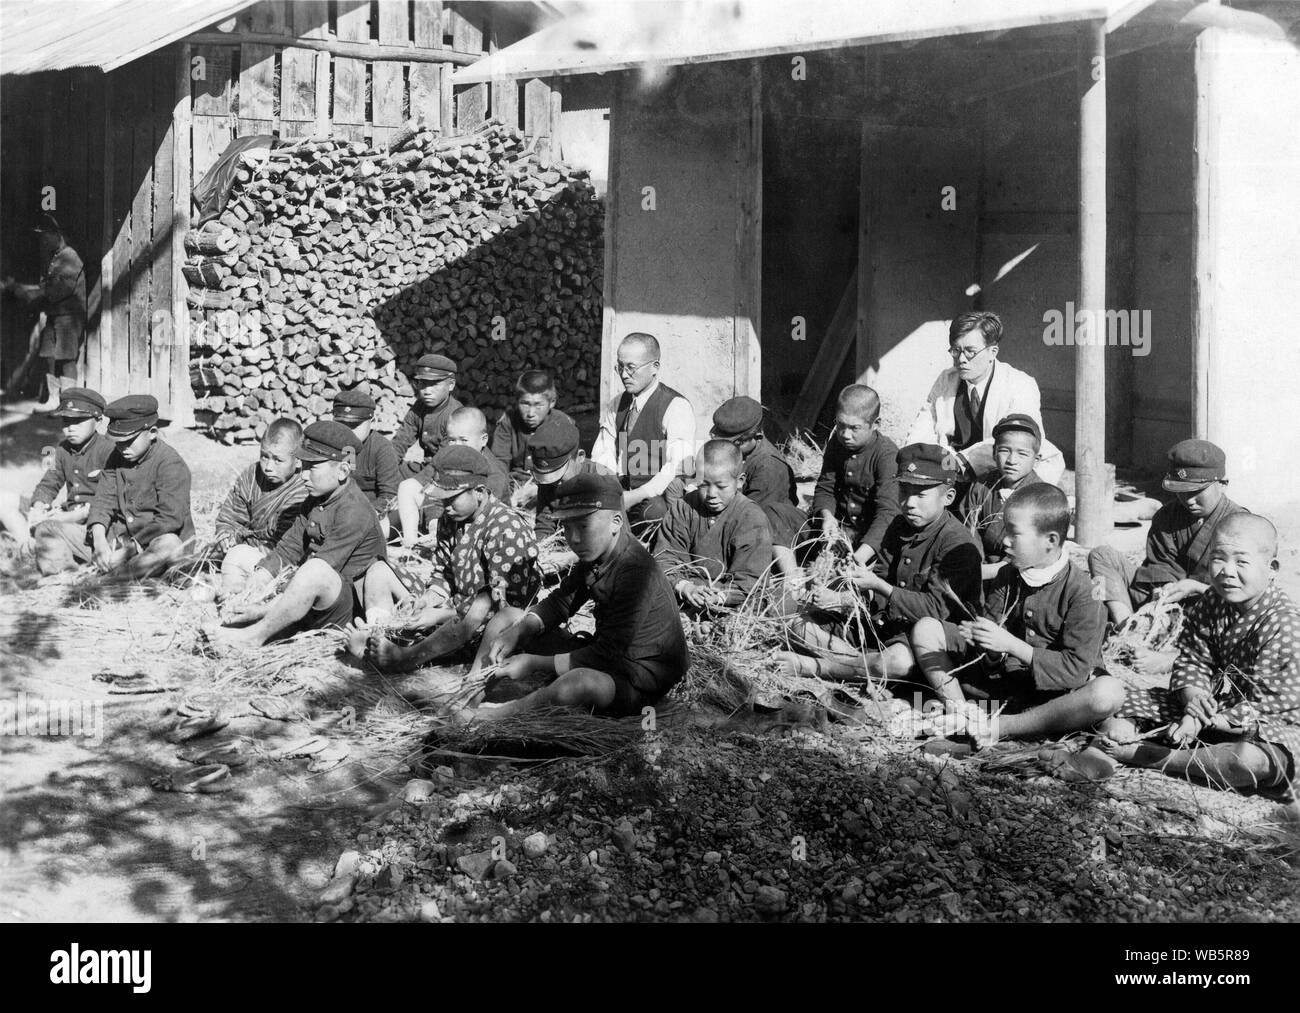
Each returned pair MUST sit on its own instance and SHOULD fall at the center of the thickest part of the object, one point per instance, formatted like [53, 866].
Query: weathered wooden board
[211, 86]
[471, 106]
[349, 91]
[353, 21]
[256, 88]
[297, 91]
[428, 25]
[311, 19]
[426, 94]
[160, 324]
[395, 22]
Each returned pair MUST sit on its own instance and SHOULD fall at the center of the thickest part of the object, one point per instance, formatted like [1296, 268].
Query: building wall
[675, 271]
[1250, 246]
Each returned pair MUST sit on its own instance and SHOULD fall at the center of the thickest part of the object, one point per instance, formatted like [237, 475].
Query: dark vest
[643, 450]
[968, 426]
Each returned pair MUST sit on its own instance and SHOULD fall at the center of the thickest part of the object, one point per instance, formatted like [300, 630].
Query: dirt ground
[84, 836]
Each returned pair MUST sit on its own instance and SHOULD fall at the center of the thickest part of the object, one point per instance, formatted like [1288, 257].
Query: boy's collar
[1040, 576]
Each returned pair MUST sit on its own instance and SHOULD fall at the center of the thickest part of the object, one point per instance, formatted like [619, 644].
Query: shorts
[62, 544]
[1155, 706]
[345, 608]
[629, 698]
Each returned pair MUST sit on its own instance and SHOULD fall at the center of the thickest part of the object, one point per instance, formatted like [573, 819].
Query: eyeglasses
[628, 368]
[966, 354]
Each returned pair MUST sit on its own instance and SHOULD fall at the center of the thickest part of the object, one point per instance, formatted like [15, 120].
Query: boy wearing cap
[425, 425]
[857, 492]
[378, 469]
[333, 540]
[554, 457]
[767, 476]
[260, 506]
[928, 562]
[1231, 714]
[714, 543]
[534, 403]
[485, 557]
[1016, 441]
[1178, 544]
[139, 522]
[1026, 667]
[638, 651]
[58, 537]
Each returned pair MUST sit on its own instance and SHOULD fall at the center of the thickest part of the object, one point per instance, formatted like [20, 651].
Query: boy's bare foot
[382, 651]
[1087, 765]
[221, 640]
[792, 664]
[356, 636]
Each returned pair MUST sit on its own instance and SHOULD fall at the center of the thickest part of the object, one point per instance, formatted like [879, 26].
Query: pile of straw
[537, 734]
[803, 455]
[1142, 650]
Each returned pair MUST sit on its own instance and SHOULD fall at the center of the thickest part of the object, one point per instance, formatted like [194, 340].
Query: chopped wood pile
[336, 264]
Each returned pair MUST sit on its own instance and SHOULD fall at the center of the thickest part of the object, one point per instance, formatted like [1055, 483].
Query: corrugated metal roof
[37, 35]
[619, 36]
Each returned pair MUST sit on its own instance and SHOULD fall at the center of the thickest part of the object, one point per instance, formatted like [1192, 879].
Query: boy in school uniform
[768, 477]
[554, 457]
[1027, 667]
[139, 522]
[485, 558]
[379, 467]
[1231, 714]
[857, 491]
[1178, 544]
[333, 540]
[425, 425]
[638, 651]
[1016, 442]
[58, 537]
[260, 506]
[534, 403]
[926, 559]
[714, 543]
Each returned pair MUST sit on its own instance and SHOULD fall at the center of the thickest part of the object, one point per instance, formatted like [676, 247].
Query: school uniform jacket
[733, 547]
[427, 425]
[1178, 544]
[510, 443]
[1060, 621]
[76, 468]
[546, 523]
[769, 482]
[378, 471]
[1009, 391]
[981, 511]
[860, 488]
[146, 498]
[340, 528]
[915, 562]
[638, 628]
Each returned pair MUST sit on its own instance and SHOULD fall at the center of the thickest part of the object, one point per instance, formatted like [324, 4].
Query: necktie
[629, 420]
[974, 403]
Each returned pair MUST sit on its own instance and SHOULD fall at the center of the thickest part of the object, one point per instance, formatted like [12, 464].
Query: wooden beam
[1092, 494]
[105, 334]
[323, 88]
[182, 392]
[609, 293]
[353, 50]
[747, 377]
[863, 352]
[1209, 111]
[161, 268]
[829, 360]
[446, 100]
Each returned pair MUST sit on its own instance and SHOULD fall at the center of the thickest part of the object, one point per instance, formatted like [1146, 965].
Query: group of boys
[953, 582]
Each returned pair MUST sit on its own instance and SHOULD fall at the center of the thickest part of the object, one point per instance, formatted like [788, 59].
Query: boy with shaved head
[857, 492]
[1231, 715]
[715, 543]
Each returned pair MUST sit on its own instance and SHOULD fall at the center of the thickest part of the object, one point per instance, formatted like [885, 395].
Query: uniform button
[906, 560]
[1029, 612]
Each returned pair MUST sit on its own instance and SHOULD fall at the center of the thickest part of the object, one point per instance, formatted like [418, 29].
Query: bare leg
[1075, 711]
[1237, 765]
[315, 585]
[237, 566]
[159, 554]
[409, 494]
[383, 591]
[12, 519]
[507, 617]
[936, 661]
[579, 688]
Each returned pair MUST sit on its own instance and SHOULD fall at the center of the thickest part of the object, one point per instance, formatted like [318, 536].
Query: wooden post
[182, 391]
[323, 88]
[105, 335]
[1092, 510]
[863, 353]
[1205, 279]
[609, 324]
[747, 377]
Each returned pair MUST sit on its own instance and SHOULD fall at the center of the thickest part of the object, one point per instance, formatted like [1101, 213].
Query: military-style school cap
[46, 223]
[352, 407]
[585, 494]
[738, 417]
[80, 403]
[927, 464]
[1020, 423]
[1194, 464]
[434, 367]
[326, 441]
[131, 415]
[552, 446]
[455, 469]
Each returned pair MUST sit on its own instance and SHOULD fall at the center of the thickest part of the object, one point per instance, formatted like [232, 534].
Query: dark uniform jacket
[1060, 620]
[638, 628]
[429, 427]
[63, 298]
[546, 524]
[145, 498]
[378, 471]
[769, 482]
[340, 528]
[915, 562]
[1178, 544]
[733, 547]
[78, 468]
[861, 489]
[510, 443]
[981, 511]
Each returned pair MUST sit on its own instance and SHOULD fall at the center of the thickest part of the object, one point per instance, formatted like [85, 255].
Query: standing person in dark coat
[61, 295]
[638, 652]
[425, 425]
[378, 471]
[647, 434]
[768, 477]
[139, 522]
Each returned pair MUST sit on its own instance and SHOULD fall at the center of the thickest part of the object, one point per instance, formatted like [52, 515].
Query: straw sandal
[229, 753]
[210, 779]
[329, 758]
[307, 747]
[196, 726]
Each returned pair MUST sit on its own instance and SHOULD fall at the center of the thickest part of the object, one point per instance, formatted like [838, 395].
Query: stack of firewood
[335, 264]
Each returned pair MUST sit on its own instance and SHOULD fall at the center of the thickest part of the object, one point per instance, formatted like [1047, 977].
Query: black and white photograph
[651, 461]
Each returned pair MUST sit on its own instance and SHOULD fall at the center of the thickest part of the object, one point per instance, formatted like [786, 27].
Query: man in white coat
[970, 397]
